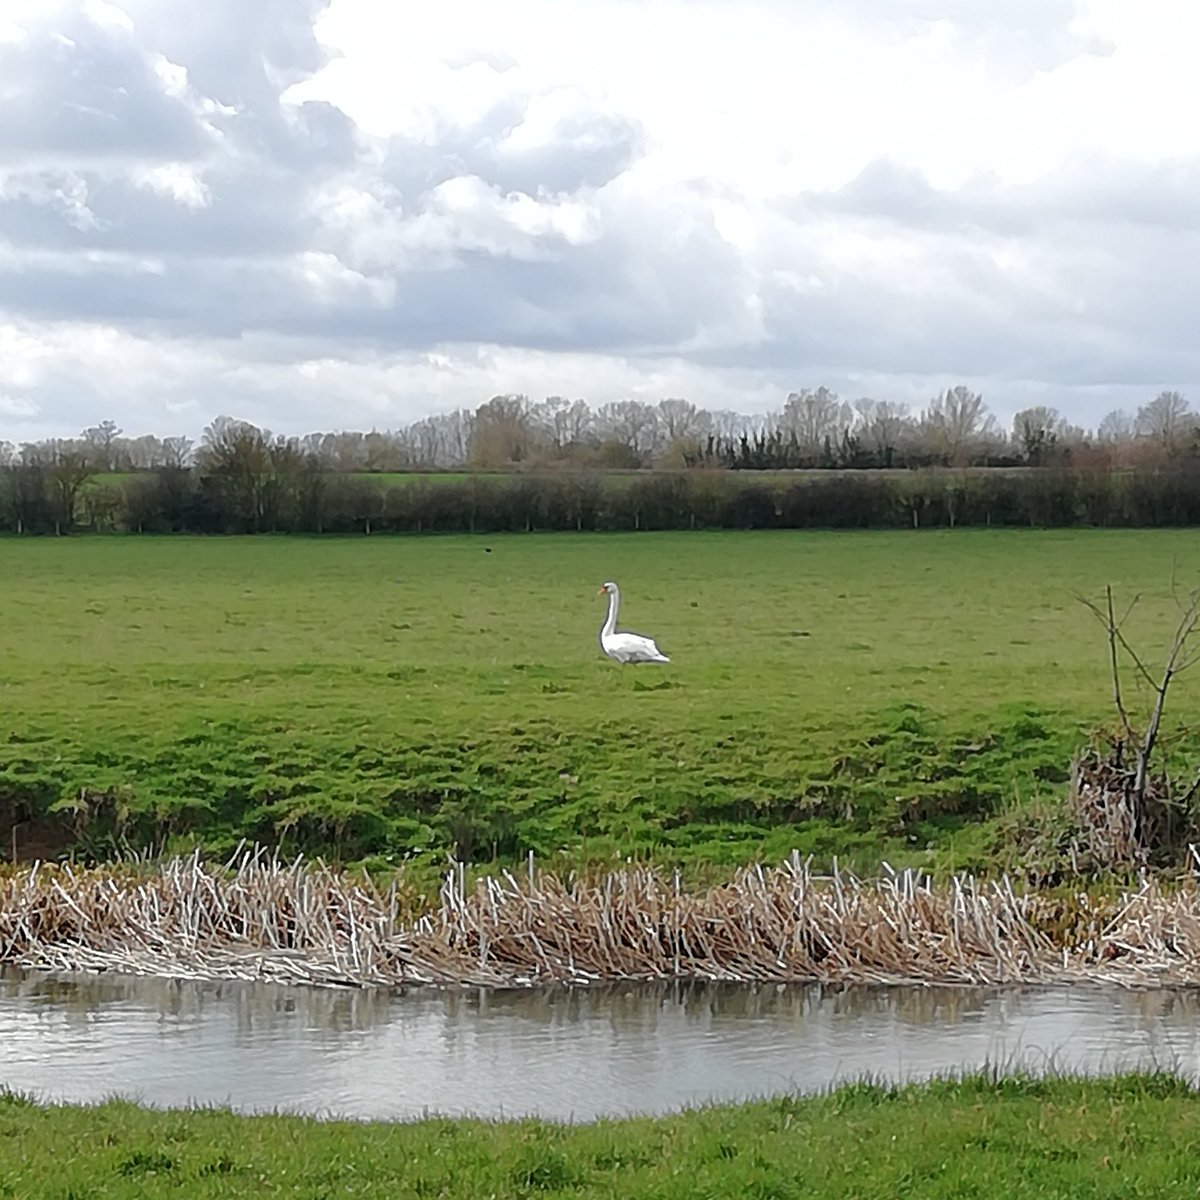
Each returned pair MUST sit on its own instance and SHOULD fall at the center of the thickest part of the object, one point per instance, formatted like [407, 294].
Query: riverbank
[984, 1135]
[258, 918]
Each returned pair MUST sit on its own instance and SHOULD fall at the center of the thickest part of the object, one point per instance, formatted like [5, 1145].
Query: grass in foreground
[1016, 1137]
[861, 694]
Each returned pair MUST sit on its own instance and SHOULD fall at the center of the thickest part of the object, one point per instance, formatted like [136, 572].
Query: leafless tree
[101, 444]
[237, 457]
[1116, 426]
[884, 426]
[729, 425]
[957, 424]
[632, 424]
[69, 469]
[1123, 792]
[1038, 432]
[176, 452]
[1167, 419]
[503, 432]
[814, 418]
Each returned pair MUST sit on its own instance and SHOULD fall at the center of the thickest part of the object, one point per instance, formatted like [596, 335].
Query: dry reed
[259, 918]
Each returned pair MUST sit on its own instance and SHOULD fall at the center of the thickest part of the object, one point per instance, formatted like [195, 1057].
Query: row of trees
[286, 492]
[812, 429]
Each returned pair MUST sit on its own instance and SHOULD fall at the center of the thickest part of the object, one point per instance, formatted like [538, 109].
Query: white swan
[625, 647]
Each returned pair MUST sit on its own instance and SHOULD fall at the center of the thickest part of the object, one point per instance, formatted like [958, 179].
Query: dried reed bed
[259, 918]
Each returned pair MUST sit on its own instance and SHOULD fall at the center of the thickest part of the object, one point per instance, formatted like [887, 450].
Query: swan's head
[609, 587]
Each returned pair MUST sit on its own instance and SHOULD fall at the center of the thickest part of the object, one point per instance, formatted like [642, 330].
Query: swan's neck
[610, 622]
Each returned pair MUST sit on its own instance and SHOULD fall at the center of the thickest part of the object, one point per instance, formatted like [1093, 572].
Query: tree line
[287, 493]
[814, 428]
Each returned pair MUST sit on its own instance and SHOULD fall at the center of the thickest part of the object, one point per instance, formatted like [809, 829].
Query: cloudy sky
[351, 214]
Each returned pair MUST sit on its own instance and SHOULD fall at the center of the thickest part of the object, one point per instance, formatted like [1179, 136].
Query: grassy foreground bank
[1012, 1137]
[865, 694]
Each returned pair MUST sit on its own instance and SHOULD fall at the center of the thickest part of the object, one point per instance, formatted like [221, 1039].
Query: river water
[562, 1054]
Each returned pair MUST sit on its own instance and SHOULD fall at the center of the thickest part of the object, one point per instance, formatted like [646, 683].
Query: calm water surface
[556, 1053]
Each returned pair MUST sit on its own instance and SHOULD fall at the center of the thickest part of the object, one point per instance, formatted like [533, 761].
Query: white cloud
[176, 181]
[360, 212]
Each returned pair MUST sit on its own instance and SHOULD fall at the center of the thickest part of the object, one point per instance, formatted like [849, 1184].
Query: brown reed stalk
[257, 917]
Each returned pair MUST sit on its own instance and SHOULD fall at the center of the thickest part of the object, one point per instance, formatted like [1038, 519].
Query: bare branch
[1188, 624]
[1112, 626]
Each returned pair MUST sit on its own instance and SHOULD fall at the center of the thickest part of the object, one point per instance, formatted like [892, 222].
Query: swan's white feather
[632, 647]
[625, 647]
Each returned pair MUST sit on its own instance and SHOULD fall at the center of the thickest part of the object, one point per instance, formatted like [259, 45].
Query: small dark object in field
[801, 633]
[487, 549]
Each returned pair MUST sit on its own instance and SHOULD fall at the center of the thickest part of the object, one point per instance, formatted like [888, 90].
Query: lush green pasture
[1015, 1137]
[860, 694]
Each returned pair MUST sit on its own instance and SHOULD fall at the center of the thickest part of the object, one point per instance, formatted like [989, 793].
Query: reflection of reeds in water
[256, 1006]
[304, 923]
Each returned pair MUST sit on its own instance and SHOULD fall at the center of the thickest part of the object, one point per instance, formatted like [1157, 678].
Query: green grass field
[1016, 1137]
[860, 694]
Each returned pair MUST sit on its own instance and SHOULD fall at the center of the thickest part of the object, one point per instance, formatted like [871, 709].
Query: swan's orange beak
[600, 591]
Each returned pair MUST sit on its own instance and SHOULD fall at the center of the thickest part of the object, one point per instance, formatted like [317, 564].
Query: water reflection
[556, 1052]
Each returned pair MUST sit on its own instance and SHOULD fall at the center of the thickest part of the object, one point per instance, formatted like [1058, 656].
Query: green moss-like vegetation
[865, 694]
[981, 1136]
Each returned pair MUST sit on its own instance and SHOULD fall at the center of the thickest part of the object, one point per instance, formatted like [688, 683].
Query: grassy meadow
[863, 694]
[1134, 1135]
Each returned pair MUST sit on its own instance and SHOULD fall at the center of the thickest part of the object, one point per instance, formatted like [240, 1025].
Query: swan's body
[625, 647]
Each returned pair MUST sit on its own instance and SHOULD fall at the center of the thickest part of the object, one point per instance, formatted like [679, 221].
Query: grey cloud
[585, 152]
[642, 287]
[621, 292]
[1084, 193]
[230, 263]
[74, 88]
[1088, 276]
[239, 54]
[76, 76]
[248, 216]
[415, 167]
[243, 56]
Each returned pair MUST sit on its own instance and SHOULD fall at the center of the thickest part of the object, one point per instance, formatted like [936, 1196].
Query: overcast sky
[349, 215]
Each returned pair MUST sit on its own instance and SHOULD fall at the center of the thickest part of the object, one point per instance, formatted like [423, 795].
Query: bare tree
[1128, 816]
[458, 428]
[1038, 432]
[632, 424]
[561, 425]
[176, 452]
[883, 426]
[101, 442]
[1167, 420]
[384, 451]
[425, 440]
[503, 432]
[681, 419]
[956, 425]
[1116, 426]
[682, 426]
[815, 419]
[729, 425]
[68, 467]
[237, 457]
